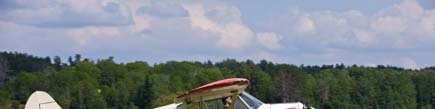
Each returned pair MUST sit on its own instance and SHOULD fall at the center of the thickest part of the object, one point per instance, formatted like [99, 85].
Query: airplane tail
[41, 100]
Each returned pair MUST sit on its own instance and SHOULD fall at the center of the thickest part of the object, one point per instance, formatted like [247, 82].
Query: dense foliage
[82, 83]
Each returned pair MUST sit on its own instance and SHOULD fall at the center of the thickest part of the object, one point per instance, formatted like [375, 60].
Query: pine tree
[145, 95]
[57, 63]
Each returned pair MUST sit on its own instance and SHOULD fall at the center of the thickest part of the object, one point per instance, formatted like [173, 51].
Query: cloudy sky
[363, 32]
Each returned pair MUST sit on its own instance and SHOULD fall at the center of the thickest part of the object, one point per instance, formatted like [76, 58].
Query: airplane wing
[218, 89]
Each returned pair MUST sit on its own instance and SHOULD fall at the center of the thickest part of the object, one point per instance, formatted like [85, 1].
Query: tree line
[105, 84]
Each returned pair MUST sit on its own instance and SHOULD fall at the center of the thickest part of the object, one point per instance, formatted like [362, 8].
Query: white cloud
[399, 26]
[410, 8]
[235, 35]
[428, 23]
[409, 63]
[339, 36]
[364, 37]
[406, 8]
[389, 25]
[91, 37]
[405, 62]
[69, 13]
[269, 40]
[198, 19]
[164, 30]
[231, 34]
[29, 39]
[403, 25]
[141, 22]
[305, 24]
[162, 10]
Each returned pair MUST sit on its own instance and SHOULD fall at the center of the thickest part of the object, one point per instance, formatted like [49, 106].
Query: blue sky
[363, 32]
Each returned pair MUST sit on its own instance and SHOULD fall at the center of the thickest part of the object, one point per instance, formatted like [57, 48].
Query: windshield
[251, 100]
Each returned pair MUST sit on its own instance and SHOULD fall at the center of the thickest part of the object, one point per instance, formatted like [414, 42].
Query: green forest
[82, 83]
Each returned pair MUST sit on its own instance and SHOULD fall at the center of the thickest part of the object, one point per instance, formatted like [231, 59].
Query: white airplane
[41, 100]
[225, 94]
